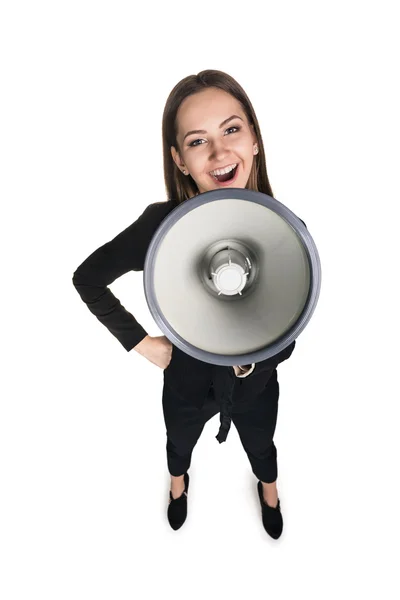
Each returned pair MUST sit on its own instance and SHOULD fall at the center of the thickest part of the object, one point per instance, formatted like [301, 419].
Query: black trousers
[255, 420]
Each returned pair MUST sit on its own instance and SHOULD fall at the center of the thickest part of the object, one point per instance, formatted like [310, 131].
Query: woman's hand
[157, 350]
[240, 370]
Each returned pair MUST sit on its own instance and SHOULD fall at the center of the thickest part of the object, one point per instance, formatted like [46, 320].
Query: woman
[211, 139]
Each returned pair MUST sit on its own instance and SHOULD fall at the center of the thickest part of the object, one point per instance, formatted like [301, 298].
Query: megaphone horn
[232, 276]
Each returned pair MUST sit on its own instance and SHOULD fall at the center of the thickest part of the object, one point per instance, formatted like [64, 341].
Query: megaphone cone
[232, 276]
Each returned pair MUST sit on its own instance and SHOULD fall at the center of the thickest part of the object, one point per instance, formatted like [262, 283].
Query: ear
[177, 158]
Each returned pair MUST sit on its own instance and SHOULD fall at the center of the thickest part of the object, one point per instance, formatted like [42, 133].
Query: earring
[255, 149]
[183, 171]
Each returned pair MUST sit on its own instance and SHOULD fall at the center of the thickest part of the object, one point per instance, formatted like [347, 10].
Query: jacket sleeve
[271, 363]
[126, 252]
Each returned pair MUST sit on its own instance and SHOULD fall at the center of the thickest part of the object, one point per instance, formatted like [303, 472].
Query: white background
[83, 475]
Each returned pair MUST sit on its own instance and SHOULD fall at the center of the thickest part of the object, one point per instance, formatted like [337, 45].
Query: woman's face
[213, 133]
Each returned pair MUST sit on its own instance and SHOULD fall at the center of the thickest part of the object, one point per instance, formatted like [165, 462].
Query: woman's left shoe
[177, 507]
[271, 517]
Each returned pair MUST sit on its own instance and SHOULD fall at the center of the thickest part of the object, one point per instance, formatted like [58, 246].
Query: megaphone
[232, 276]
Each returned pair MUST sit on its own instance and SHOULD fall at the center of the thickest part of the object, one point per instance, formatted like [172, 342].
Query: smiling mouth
[226, 177]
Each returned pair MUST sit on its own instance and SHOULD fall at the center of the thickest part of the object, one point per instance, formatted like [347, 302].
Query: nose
[218, 150]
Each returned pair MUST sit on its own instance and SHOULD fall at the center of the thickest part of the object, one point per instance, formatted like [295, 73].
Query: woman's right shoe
[177, 507]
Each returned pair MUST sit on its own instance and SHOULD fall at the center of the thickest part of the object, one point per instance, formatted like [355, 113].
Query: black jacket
[185, 375]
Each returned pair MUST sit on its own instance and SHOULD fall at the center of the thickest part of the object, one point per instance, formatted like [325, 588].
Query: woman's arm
[271, 363]
[126, 252]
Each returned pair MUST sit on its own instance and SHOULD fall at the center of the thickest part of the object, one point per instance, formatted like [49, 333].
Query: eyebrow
[203, 130]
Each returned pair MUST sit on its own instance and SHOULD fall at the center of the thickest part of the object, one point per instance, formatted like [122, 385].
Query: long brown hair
[180, 187]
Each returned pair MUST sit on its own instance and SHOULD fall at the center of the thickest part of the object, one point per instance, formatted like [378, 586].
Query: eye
[193, 144]
[233, 127]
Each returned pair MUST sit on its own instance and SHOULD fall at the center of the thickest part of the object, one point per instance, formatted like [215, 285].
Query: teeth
[223, 171]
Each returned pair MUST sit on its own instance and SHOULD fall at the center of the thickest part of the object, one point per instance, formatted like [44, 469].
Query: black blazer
[127, 252]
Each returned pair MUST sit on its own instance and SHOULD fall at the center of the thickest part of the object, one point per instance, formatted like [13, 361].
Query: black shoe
[177, 507]
[271, 517]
